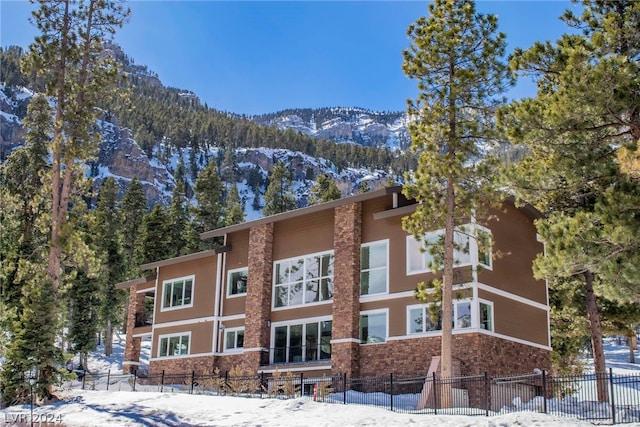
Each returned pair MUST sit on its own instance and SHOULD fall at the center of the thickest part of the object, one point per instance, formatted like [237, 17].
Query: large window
[304, 280]
[237, 282]
[428, 317]
[174, 345]
[177, 293]
[302, 342]
[472, 244]
[373, 327]
[233, 339]
[373, 261]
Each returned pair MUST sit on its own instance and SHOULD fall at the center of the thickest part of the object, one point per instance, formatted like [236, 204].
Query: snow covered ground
[143, 408]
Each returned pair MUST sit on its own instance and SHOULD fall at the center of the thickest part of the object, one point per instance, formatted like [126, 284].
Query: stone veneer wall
[132, 344]
[345, 357]
[474, 354]
[183, 365]
[259, 291]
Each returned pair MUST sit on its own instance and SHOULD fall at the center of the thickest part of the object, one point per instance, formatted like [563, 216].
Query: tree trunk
[446, 361]
[108, 339]
[595, 326]
[633, 344]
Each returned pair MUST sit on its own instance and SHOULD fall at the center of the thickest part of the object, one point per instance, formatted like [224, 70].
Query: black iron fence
[604, 398]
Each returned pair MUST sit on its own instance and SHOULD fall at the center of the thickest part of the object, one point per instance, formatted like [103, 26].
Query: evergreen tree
[69, 55]
[455, 55]
[234, 211]
[178, 221]
[324, 190]
[83, 318]
[106, 229]
[132, 210]
[154, 243]
[584, 114]
[209, 212]
[279, 196]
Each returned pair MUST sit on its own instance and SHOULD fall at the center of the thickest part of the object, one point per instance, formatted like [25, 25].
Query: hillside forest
[70, 232]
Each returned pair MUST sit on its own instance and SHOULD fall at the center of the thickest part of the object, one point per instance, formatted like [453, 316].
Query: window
[428, 317]
[237, 282]
[425, 256]
[302, 342]
[373, 327]
[483, 237]
[486, 316]
[177, 293]
[234, 339]
[304, 280]
[174, 345]
[373, 274]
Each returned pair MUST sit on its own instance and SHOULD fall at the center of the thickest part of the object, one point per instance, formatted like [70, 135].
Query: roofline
[183, 258]
[301, 211]
[132, 282]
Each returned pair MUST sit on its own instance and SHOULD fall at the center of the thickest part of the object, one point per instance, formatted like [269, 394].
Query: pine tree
[209, 212]
[78, 76]
[584, 114]
[455, 55]
[234, 211]
[153, 241]
[279, 196]
[324, 190]
[83, 319]
[106, 229]
[132, 210]
[178, 221]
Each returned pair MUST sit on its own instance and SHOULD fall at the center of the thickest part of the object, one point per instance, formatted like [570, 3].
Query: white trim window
[373, 326]
[172, 345]
[485, 247]
[177, 293]
[301, 341]
[237, 282]
[374, 261]
[233, 339]
[303, 280]
[422, 256]
[486, 315]
[426, 318]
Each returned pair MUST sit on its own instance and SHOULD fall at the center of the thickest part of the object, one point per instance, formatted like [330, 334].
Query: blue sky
[264, 56]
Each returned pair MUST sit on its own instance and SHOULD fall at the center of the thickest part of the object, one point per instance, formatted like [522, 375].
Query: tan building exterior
[329, 289]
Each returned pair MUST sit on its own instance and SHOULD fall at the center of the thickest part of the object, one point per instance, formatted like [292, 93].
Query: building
[329, 289]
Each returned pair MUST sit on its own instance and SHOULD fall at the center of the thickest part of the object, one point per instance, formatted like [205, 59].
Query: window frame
[168, 338]
[454, 314]
[304, 347]
[376, 312]
[235, 348]
[304, 281]
[413, 245]
[384, 242]
[491, 315]
[229, 282]
[172, 282]
[481, 229]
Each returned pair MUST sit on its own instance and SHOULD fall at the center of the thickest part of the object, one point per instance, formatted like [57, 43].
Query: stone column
[131, 359]
[345, 334]
[258, 300]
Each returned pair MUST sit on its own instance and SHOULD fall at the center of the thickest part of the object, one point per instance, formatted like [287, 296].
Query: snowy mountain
[344, 125]
[122, 157]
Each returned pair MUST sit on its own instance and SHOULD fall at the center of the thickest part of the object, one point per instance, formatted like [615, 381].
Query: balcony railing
[296, 354]
[143, 319]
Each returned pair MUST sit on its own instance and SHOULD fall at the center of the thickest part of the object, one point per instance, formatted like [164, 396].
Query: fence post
[226, 381]
[162, 382]
[613, 403]
[84, 377]
[391, 392]
[193, 380]
[262, 383]
[544, 389]
[486, 393]
[301, 384]
[344, 388]
[135, 377]
[108, 378]
[435, 395]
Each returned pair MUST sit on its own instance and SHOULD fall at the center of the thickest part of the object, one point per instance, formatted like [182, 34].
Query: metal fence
[604, 398]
